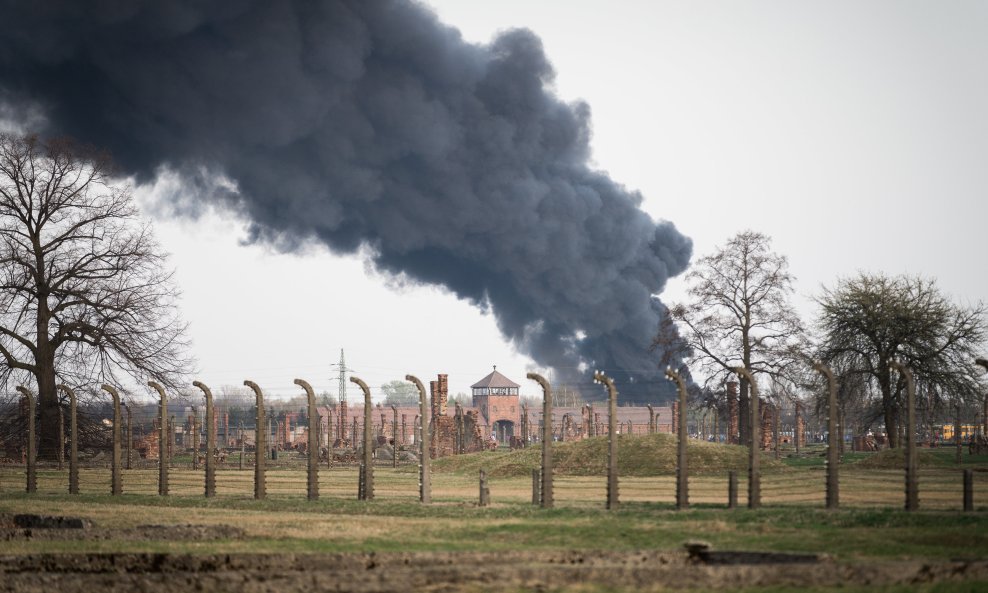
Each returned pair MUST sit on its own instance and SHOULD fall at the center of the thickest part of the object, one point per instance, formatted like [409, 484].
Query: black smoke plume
[368, 123]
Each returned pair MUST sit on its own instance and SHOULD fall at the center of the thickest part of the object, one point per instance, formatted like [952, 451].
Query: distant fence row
[939, 488]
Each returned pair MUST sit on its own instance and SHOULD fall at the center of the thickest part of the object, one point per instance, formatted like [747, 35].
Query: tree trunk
[744, 407]
[891, 426]
[47, 405]
[743, 414]
[888, 406]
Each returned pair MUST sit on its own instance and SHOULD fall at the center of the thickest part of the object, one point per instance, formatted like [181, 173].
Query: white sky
[853, 133]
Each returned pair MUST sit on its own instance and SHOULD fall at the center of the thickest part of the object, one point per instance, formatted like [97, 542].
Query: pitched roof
[495, 379]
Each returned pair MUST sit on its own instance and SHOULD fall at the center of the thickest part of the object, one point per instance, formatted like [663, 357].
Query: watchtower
[496, 396]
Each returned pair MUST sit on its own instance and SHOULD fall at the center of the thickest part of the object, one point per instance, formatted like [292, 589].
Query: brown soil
[697, 567]
[451, 571]
[41, 527]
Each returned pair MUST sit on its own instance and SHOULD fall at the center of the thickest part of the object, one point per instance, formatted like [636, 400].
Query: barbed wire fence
[396, 457]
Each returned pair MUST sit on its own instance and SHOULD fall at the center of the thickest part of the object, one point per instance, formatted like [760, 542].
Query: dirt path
[366, 573]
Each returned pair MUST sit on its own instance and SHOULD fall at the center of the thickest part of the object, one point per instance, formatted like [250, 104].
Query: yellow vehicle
[967, 430]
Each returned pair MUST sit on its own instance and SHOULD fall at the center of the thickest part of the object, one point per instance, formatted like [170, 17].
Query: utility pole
[342, 404]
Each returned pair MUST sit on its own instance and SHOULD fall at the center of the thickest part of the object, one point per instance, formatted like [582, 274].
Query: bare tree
[739, 314]
[84, 292]
[871, 320]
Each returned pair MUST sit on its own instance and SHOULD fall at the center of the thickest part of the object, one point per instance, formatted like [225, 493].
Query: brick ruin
[767, 412]
[800, 426]
[455, 434]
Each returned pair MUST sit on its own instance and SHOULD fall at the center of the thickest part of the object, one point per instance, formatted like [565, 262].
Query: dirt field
[386, 572]
[184, 542]
[694, 567]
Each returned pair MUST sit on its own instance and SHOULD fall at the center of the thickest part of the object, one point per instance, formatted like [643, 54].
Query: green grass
[293, 524]
[868, 526]
[639, 456]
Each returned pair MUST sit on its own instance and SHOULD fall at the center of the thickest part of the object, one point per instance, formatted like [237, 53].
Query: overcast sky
[855, 134]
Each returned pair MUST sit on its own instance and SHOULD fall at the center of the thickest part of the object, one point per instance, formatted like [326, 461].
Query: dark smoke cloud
[369, 123]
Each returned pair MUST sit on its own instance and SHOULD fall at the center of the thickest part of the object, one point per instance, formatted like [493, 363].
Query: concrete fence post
[461, 433]
[754, 473]
[210, 486]
[912, 483]
[74, 443]
[958, 455]
[612, 452]
[732, 489]
[536, 487]
[775, 431]
[331, 431]
[524, 425]
[968, 490]
[984, 400]
[546, 499]
[61, 437]
[797, 429]
[485, 492]
[129, 437]
[425, 484]
[194, 429]
[171, 439]
[312, 476]
[162, 439]
[116, 485]
[394, 435]
[682, 464]
[361, 475]
[31, 470]
[368, 482]
[260, 442]
[243, 445]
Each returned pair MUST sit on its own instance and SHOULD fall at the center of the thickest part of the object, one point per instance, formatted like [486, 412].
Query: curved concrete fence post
[754, 473]
[195, 437]
[546, 497]
[116, 483]
[394, 435]
[260, 442]
[210, 440]
[458, 416]
[833, 439]
[682, 463]
[984, 400]
[612, 469]
[312, 476]
[367, 489]
[912, 482]
[162, 439]
[74, 443]
[128, 436]
[425, 483]
[32, 454]
[524, 425]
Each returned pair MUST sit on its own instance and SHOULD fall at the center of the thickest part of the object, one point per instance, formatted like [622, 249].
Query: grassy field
[395, 522]
[870, 525]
